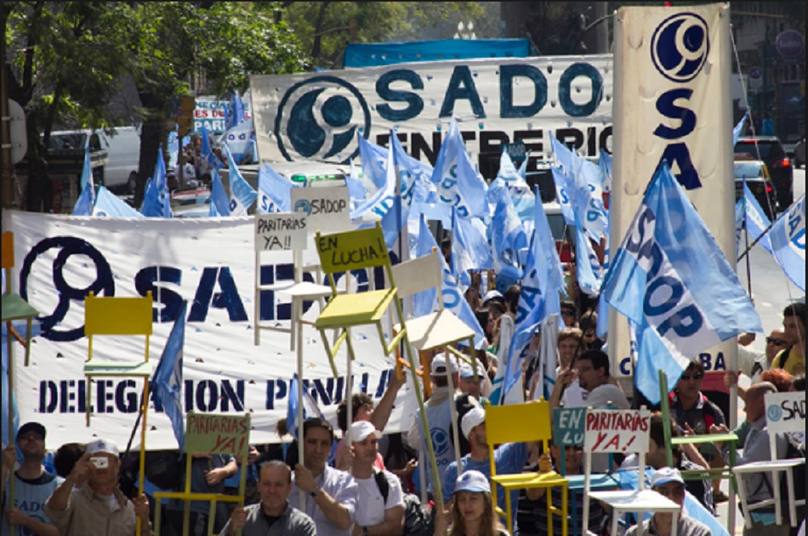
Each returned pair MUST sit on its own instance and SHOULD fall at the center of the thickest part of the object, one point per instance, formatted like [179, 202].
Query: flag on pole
[738, 129]
[374, 162]
[292, 406]
[458, 183]
[671, 280]
[239, 140]
[166, 383]
[86, 200]
[109, 205]
[788, 242]
[206, 151]
[757, 222]
[274, 190]
[242, 195]
[219, 205]
[235, 111]
[156, 200]
[587, 266]
[507, 235]
[470, 249]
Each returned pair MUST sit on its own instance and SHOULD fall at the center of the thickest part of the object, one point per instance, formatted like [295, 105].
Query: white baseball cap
[101, 446]
[360, 430]
[666, 475]
[474, 417]
[492, 295]
[466, 371]
[472, 481]
[439, 365]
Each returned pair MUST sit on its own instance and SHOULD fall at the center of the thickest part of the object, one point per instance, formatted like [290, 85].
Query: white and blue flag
[242, 195]
[219, 205]
[470, 249]
[374, 162]
[458, 183]
[757, 222]
[671, 280]
[206, 150]
[737, 130]
[86, 200]
[564, 187]
[166, 383]
[507, 235]
[156, 200]
[587, 266]
[235, 110]
[109, 205]
[274, 190]
[787, 237]
[240, 141]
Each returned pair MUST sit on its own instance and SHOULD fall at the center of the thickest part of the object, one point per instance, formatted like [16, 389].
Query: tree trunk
[318, 33]
[151, 137]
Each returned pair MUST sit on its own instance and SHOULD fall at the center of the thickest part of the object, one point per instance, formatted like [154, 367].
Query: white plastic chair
[622, 501]
[776, 423]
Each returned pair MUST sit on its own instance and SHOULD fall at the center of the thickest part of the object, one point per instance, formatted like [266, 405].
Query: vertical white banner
[672, 101]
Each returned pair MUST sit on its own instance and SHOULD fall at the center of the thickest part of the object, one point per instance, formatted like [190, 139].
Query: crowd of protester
[381, 483]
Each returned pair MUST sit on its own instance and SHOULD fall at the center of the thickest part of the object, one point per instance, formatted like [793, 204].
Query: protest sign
[568, 426]
[280, 231]
[785, 412]
[348, 251]
[327, 208]
[208, 433]
[621, 431]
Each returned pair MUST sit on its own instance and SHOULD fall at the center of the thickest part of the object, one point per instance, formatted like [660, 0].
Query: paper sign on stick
[207, 433]
[785, 412]
[609, 430]
[327, 208]
[280, 231]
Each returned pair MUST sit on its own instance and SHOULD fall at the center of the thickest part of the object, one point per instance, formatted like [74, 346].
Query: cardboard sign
[568, 426]
[280, 231]
[327, 208]
[208, 433]
[609, 430]
[785, 412]
[349, 251]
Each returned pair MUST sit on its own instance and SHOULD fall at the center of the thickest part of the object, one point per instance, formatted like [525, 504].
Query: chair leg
[328, 352]
[675, 521]
[615, 517]
[509, 512]
[548, 495]
[747, 516]
[792, 500]
[564, 509]
[778, 509]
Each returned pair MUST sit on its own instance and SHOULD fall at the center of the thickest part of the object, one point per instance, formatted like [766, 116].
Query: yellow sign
[351, 250]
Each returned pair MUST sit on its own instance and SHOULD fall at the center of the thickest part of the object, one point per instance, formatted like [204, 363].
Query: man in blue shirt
[32, 485]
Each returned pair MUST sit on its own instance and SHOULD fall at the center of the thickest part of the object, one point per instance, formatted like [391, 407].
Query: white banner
[317, 116]
[209, 263]
[672, 101]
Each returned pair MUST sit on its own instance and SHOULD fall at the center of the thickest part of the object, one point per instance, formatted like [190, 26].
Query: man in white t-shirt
[380, 501]
[592, 368]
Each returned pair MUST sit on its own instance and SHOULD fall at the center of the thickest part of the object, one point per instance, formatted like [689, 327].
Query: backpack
[417, 520]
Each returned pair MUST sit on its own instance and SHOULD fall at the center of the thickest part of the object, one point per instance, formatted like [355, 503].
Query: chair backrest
[517, 423]
[785, 413]
[117, 316]
[418, 274]
[352, 250]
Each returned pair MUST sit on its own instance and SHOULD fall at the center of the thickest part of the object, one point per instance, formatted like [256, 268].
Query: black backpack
[417, 520]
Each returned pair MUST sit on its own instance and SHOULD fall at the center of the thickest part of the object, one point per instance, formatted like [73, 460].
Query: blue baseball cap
[472, 481]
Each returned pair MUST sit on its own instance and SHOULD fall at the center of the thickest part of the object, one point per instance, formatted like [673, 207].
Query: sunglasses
[696, 376]
[567, 312]
[776, 342]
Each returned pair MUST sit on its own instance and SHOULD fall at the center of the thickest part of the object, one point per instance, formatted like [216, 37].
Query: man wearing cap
[32, 484]
[439, 415]
[380, 501]
[669, 482]
[469, 385]
[273, 516]
[89, 500]
[330, 494]
[509, 458]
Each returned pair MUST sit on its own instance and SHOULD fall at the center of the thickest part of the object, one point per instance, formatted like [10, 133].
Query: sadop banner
[317, 116]
[208, 263]
[671, 102]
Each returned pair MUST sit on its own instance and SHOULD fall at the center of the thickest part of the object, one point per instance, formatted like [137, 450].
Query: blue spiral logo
[302, 205]
[774, 413]
[318, 119]
[440, 441]
[679, 46]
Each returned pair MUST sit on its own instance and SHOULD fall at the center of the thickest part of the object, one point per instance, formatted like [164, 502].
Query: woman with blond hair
[472, 512]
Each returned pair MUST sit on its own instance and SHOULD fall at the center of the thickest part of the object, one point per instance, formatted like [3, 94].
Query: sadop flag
[156, 200]
[458, 183]
[109, 205]
[274, 190]
[219, 205]
[671, 280]
[239, 140]
[564, 186]
[86, 199]
[166, 383]
[242, 195]
[787, 237]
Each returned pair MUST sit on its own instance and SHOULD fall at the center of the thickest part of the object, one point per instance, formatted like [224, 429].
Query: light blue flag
[84, 204]
[235, 111]
[602, 327]
[757, 222]
[274, 190]
[605, 165]
[383, 199]
[587, 200]
[470, 249]
[173, 147]
[587, 266]
[242, 195]
[374, 162]
[787, 237]
[549, 271]
[416, 186]
[452, 295]
[239, 140]
[166, 383]
[507, 236]
[219, 205]
[563, 156]
[564, 187]
[424, 301]
[671, 280]
[458, 183]
[156, 200]
[206, 151]
[109, 205]
[737, 131]
[740, 214]
[291, 406]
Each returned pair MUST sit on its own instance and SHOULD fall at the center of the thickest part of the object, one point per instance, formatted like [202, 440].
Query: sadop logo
[303, 205]
[775, 413]
[679, 46]
[318, 119]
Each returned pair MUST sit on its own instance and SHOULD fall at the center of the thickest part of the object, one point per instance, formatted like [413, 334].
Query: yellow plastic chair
[521, 423]
[14, 307]
[116, 316]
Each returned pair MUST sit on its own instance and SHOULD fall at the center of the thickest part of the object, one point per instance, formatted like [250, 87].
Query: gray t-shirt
[685, 527]
[293, 522]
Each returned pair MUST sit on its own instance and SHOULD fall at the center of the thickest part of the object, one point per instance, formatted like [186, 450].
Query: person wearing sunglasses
[792, 358]
[669, 482]
[694, 414]
[753, 364]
